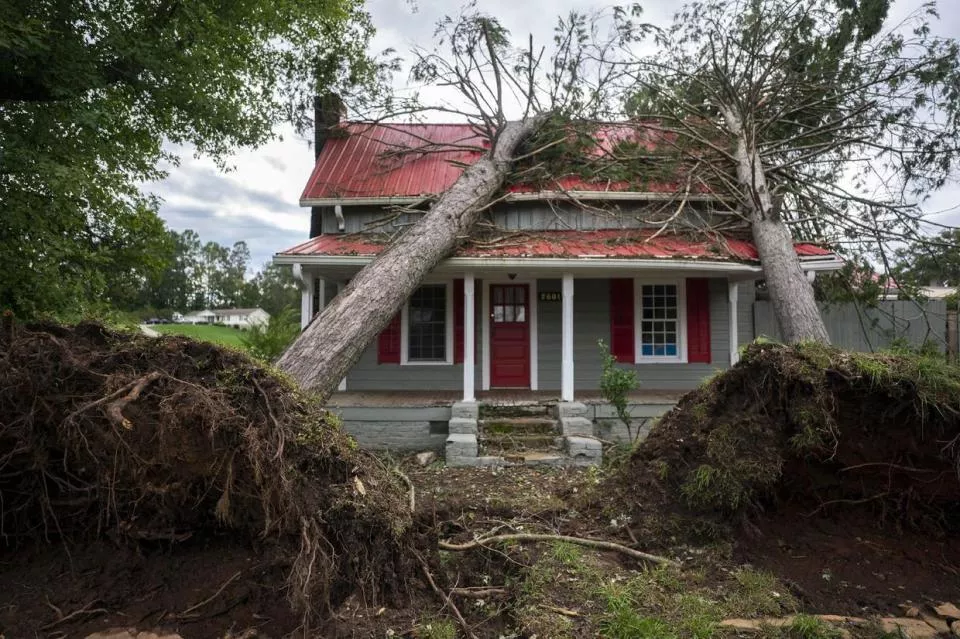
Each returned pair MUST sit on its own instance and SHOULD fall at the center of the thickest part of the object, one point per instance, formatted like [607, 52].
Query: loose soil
[846, 564]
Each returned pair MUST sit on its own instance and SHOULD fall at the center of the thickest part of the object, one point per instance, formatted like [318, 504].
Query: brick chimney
[328, 110]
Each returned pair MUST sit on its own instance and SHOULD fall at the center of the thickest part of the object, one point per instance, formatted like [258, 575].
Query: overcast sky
[257, 201]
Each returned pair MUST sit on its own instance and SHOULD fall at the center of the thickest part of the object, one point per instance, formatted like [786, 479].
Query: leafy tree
[932, 261]
[814, 122]
[276, 289]
[92, 95]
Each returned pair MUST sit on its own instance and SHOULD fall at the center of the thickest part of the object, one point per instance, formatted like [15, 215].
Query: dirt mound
[818, 426]
[830, 468]
[109, 435]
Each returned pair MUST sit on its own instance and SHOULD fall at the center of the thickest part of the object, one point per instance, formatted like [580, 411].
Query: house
[235, 317]
[241, 317]
[205, 316]
[519, 313]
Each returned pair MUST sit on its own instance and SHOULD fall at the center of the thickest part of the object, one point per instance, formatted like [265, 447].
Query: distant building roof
[237, 311]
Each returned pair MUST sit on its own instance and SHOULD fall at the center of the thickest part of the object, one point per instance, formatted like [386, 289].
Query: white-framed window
[660, 321]
[426, 326]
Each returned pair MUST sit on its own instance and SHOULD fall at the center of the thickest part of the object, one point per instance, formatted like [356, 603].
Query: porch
[421, 420]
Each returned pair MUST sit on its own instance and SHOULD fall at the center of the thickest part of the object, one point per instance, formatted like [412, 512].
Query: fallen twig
[580, 541]
[566, 612]
[446, 599]
[86, 610]
[211, 597]
[479, 593]
[114, 410]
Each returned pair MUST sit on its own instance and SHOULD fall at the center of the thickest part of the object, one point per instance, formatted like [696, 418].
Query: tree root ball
[820, 429]
[107, 433]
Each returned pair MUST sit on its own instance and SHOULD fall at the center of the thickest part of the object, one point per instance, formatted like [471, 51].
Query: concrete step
[512, 442]
[535, 458]
[519, 426]
[508, 410]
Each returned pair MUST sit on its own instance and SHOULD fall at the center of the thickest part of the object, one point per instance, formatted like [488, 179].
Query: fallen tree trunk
[791, 294]
[321, 356]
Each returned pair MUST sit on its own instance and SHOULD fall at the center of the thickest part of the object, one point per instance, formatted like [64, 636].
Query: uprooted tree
[812, 121]
[493, 80]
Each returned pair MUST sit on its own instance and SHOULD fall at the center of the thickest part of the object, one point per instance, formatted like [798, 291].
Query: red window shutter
[698, 320]
[458, 321]
[388, 344]
[621, 320]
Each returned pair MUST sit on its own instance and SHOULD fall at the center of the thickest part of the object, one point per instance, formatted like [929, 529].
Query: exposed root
[210, 598]
[85, 611]
[446, 599]
[411, 491]
[536, 538]
[115, 409]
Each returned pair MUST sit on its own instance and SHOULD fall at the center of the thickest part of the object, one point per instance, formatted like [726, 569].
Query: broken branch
[445, 598]
[114, 410]
[530, 537]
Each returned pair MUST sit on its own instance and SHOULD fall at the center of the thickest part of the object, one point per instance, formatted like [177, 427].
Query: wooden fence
[858, 328]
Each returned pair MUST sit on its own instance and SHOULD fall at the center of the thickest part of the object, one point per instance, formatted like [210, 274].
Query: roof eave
[585, 263]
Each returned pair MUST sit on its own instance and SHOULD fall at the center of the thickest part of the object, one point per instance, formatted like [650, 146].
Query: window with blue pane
[659, 321]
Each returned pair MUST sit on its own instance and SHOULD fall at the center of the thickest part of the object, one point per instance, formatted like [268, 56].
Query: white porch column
[306, 295]
[566, 371]
[733, 295]
[469, 338]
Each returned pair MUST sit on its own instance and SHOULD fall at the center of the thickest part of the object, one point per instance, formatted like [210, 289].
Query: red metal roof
[568, 244]
[367, 160]
[362, 161]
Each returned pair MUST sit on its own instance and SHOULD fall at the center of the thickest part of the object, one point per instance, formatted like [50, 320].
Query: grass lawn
[204, 332]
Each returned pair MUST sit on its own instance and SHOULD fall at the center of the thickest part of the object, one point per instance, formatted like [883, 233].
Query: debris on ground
[170, 446]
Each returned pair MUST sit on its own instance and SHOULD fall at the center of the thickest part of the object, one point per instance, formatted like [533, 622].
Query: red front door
[509, 336]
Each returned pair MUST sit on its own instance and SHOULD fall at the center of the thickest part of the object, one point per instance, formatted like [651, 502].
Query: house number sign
[547, 296]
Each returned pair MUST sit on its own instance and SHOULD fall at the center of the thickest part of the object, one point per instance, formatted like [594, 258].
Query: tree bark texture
[791, 294]
[330, 345]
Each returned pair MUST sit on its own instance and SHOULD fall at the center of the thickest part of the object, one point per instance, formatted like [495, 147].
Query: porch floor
[499, 397]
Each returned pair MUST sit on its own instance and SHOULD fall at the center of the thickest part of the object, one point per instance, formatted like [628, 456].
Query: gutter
[546, 263]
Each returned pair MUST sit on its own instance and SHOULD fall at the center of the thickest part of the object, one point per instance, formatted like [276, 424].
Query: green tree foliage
[269, 341]
[93, 95]
[276, 288]
[934, 261]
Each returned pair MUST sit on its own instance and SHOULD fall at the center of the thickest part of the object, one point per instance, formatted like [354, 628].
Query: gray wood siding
[536, 216]
[367, 374]
[591, 323]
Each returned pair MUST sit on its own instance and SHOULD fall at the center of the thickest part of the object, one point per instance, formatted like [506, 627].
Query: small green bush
[616, 384]
[267, 342]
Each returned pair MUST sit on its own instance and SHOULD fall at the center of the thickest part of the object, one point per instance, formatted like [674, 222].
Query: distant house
[241, 317]
[205, 316]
